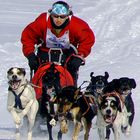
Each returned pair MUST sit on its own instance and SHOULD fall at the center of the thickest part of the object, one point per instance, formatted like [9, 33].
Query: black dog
[124, 87]
[51, 87]
[97, 84]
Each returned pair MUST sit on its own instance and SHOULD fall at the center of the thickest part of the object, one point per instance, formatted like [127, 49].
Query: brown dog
[73, 102]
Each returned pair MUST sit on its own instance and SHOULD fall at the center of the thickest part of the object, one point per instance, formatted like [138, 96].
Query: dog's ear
[132, 83]
[23, 71]
[106, 75]
[91, 74]
[118, 103]
[8, 72]
[119, 106]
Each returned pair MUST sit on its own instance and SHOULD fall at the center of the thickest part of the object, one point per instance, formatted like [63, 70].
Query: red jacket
[80, 34]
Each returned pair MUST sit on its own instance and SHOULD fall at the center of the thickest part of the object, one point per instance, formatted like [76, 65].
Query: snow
[116, 24]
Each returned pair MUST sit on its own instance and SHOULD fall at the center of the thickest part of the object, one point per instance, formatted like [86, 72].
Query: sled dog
[124, 86]
[21, 100]
[111, 113]
[74, 105]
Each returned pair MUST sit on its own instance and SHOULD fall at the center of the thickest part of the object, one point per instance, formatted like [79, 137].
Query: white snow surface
[116, 24]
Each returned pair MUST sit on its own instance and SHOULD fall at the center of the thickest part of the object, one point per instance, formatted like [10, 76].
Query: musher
[58, 28]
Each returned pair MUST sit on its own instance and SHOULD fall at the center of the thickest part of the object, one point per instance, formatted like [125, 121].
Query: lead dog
[21, 99]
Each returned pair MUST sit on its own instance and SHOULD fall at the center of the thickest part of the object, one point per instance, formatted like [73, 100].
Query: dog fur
[124, 86]
[95, 88]
[97, 84]
[111, 113]
[73, 102]
[21, 100]
[48, 104]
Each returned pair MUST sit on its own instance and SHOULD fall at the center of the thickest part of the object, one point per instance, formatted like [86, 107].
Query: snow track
[116, 24]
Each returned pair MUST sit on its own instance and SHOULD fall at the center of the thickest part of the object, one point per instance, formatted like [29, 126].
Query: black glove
[75, 62]
[33, 61]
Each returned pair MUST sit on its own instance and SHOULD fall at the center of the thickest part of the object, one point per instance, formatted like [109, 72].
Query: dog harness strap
[17, 100]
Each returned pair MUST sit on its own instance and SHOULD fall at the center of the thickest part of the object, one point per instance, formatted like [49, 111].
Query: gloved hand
[75, 62]
[33, 61]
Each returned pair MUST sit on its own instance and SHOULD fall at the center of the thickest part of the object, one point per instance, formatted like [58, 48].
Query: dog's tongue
[15, 85]
[99, 90]
[52, 94]
[109, 119]
[49, 91]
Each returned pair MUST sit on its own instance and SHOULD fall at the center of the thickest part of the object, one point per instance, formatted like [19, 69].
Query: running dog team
[111, 102]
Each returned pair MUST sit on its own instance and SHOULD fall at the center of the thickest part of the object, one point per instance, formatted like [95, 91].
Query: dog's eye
[104, 105]
[19, 73]
[10, 72]
[113, 105]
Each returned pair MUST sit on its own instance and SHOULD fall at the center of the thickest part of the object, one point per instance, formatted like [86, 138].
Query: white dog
[21, 99]
[111, 113]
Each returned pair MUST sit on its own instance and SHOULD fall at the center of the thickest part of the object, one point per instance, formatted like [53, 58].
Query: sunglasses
[61, 16]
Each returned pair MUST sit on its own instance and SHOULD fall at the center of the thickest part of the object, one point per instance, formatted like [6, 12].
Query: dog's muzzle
[108, 118]
[14, 84]
[51, 92]
[126, 92]
[99, 87]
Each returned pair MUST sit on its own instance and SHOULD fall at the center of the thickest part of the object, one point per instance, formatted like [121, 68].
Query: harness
[81, 99]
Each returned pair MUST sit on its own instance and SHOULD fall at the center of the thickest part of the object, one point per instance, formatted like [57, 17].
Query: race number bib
[54, 42]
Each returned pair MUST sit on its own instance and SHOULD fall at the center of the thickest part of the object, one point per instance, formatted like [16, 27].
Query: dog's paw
[17, 120]
[128, 131]
[53, 122]
[29, 135]
[64, 126]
